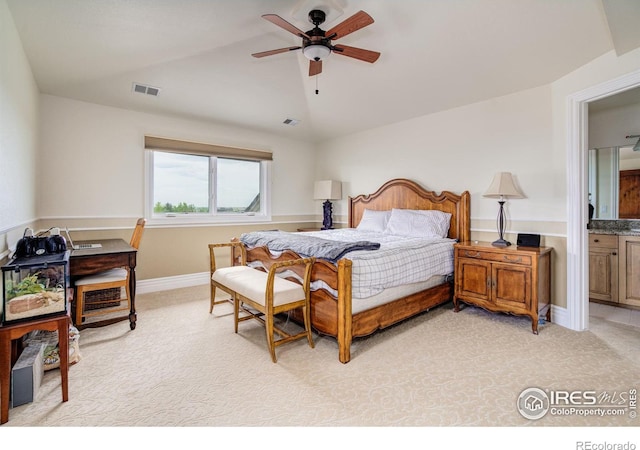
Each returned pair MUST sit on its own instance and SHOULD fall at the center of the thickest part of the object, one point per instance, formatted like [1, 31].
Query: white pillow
[419, 223]
[374, 220]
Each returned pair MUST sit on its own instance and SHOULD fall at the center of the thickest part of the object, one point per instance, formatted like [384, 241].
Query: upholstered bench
[262, 295]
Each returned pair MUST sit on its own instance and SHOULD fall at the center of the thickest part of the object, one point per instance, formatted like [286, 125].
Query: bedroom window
[191, 182]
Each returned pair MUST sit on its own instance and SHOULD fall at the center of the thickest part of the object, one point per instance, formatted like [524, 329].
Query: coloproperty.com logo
[535, 403]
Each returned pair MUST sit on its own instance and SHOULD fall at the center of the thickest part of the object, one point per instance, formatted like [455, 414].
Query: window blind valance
[198, 148]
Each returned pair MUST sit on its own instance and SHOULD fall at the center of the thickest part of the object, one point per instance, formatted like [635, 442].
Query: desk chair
[109, 279]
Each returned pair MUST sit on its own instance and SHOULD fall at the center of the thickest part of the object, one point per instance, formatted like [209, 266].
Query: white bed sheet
[394, 293]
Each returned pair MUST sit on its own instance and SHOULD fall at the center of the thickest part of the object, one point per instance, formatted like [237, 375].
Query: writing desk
[113, 253]
[9, 334]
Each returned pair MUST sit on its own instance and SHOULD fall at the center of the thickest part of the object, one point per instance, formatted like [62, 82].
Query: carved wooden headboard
[406, 194]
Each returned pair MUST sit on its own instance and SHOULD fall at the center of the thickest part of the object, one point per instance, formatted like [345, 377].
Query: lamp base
[327, 223]
[501, 243]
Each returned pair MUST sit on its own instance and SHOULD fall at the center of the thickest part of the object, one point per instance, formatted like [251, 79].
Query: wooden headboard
[401, 193]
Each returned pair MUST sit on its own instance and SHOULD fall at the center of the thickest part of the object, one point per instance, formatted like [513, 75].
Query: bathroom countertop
[622, 232]
[617, 227]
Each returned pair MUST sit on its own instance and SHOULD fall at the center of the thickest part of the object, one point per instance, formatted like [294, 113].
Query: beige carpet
[185, 367]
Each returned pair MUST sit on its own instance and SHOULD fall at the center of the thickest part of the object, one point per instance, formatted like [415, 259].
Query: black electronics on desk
[40, 245]
[528, 240]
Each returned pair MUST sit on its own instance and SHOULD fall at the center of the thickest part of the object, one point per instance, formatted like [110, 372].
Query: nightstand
[513, 280]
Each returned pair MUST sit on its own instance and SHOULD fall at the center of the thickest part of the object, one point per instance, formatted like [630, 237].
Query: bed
[335, 311]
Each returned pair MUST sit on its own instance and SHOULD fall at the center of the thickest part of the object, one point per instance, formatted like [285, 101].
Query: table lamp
[327, 190]
[502, 187]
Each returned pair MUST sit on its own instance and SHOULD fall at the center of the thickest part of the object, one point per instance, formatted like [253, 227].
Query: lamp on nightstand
[502, 187]
[327, 190]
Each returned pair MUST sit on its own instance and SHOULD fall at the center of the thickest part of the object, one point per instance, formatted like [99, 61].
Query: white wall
[18, 132]
[459, 150]
[609, 128]
[101, 150]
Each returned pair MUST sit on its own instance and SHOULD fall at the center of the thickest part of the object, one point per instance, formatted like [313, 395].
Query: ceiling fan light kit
[316, 43]
[316, 52]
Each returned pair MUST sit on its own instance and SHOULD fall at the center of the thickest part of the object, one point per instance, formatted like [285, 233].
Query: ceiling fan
[316, 43]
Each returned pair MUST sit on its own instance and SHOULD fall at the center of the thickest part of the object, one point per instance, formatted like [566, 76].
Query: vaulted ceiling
[435, 55]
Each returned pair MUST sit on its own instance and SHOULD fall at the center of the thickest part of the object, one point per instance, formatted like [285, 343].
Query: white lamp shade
[316, 52]
[503, 186]
[327, 190]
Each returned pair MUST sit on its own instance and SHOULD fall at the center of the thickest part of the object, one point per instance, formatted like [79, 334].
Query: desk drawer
[515, 258]
[89, 265]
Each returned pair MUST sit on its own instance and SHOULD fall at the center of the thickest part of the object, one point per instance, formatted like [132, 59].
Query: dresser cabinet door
[473, 279]
[511, 287]
[629, 248]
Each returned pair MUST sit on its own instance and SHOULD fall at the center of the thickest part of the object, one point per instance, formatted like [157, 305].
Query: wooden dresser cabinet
[513, 280]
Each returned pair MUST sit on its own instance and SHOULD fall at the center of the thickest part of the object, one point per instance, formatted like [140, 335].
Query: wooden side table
[8, 335]
[514, 280]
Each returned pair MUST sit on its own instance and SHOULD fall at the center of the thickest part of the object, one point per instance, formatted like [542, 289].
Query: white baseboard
[560, 316]
[168, 283]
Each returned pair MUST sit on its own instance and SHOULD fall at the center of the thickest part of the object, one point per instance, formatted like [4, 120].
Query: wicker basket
[100, 299]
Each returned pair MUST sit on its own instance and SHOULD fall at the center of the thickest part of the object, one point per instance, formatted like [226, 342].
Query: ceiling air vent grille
[145, 89]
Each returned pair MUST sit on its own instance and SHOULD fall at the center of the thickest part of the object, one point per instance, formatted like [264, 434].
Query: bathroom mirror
[614, 174]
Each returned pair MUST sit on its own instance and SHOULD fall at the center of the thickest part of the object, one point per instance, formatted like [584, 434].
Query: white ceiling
[436, 55]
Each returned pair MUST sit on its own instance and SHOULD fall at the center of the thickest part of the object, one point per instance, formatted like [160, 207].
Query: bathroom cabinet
[614, 269]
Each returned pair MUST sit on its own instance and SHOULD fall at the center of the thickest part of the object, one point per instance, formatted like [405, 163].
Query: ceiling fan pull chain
[317, 85]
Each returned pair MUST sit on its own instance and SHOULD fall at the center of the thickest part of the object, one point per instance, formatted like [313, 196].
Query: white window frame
[213, 217]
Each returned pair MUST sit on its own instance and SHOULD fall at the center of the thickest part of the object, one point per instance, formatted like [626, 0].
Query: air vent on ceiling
[292, 122]
[145, 89]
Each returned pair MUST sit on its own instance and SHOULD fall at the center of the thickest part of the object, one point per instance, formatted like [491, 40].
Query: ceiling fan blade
[279, 21]
[357, 53]
[315, 67]
[274, 52]
[359, 20]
